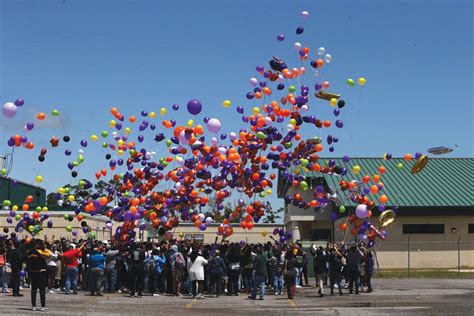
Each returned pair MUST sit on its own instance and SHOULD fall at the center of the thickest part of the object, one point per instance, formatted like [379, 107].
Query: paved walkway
[391, 297]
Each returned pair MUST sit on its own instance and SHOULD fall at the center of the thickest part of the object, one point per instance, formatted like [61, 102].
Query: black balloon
[74, 174]
[41, 158]
[340, 104]
[66, 138]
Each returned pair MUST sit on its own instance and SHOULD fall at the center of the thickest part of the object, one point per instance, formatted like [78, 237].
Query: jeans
[335, 279]
[4, 280]
[216, 284]
[15, 275]
[353, 273]
[247, 278]
[38, 282]
[71, 279]
[320, 283]
[233, 283]
[299, 272]
[111, 279]
[197, 287]
[278, 283]
[368, 281]
[160, 281]
[96, 276]
[259, 280]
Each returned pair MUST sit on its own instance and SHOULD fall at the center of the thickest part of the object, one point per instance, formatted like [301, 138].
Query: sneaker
[156, 295]
[51, 292]
[44, 309]
[298, 286]
[34, 309]
[335, 286]
[119, 291]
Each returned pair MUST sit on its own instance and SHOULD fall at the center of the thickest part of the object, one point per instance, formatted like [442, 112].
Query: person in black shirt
[137, 270]
[335, 267]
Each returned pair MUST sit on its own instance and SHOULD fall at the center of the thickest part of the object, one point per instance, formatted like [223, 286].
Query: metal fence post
[408, 246]
[459, 256]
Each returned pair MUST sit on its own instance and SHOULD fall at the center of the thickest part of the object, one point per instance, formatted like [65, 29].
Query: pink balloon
[9, 109]
[214, 125]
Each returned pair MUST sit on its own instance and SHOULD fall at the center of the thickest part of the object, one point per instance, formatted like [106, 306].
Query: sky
[84, 56]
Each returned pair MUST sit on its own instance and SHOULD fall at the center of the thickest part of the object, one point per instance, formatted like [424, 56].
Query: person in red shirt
[71, 266]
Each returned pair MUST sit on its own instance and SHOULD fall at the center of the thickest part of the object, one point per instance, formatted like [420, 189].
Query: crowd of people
[179, 267]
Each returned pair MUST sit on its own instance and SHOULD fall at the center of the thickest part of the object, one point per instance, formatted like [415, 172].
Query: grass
[426, 273]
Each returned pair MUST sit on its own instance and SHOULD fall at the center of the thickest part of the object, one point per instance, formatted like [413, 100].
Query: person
[299, 267]
[305, 269]
[233, 269]
[195, 265]
[110, 271]
[290, 272]
[217, 271]
[178, 265]
[137, 270]
[70, 260]
[38, 272]
[260, 274]
[3, 269]
[52, 266]
[278, 277]
[335, 268]
[156, 262]
[369, 269]
[246, 264]
[320, 270]
[17, 257]
[96, 272]
[353, 264]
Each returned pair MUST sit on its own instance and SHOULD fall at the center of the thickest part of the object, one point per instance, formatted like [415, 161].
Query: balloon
[214, 125]
[226, 103]
[333, 101]
[41, 116]
[304, 14]
[194, 107]
[9, 109]
[361, 211]
[163, 111]
[19, 102]
[321, 51]
[356, 169]
[361, 81]
[55, 112]
[327, 58]
[350, 82]
[281, 37]
[39, 179]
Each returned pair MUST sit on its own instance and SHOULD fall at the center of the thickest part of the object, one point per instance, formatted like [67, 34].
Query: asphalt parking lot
[391, 297]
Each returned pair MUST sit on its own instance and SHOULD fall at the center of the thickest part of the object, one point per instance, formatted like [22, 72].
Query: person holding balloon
[72, 266]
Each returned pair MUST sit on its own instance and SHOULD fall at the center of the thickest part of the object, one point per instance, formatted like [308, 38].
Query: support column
[296, 231]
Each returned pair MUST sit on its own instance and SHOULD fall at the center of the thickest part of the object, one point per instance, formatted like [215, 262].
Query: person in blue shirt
[96, 266]
[156, 262]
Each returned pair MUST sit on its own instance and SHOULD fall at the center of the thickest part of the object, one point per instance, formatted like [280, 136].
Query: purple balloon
[339, 124]
[84, 143]
[175, 107]
[9, 109]
[194, 107]
[361, 211]
[260, 68]
[19, 102]
[281, 37]
[30, 126]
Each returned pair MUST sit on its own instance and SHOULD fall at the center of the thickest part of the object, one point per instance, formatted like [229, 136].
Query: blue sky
[83, 57]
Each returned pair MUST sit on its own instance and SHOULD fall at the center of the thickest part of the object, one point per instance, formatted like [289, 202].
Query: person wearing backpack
[155, 263]
[178, 265]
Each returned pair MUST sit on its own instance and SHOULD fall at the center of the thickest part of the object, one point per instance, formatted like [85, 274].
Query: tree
[271, 216]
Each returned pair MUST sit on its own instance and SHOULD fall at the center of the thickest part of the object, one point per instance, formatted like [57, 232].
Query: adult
[70, 261]
[110, 271]
[335, 269]
[51, 262]
[3, 269]
[137, 270]
[353, 264]
[233, 269]
[38, 272]
[260, 274]
[320, 270]
[195, 265]
[217, 270]
[96, 271]
[16, 258]
[290, 274]
[369, 269]
[178, 266]
[156, 263]
[278, 262]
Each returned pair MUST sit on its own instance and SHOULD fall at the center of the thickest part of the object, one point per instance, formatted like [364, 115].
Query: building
[435, 217]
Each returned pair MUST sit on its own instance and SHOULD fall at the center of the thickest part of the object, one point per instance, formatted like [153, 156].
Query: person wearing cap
[71, 263]
[96, 267]
[217, 271]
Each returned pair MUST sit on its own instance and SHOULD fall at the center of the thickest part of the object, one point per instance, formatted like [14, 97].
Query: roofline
[24, 183]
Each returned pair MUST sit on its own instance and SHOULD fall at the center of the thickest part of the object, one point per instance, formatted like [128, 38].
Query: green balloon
[105, 134]
[262, 194]
[350, 82]
[342, 209]
[261, 135]
[66, 216]
[132, 152]
[81, 183]
[168, 142]
[287, 145]
[304, 162]
[69, 228]
[7, 203]
[4, 171]
[304, 185]
[291, 89]
[75, 163]
[399, 166]
[92, 235]
[38, 209]
[80, 159]
[17, 217]
[105, 145]
[55, 112]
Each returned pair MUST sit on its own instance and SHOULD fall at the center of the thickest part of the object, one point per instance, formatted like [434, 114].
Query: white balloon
[232, 135]
[297, 46]
[304, 108]
[214, 140]
[327, 58]
[321, 51]
[80, 151]
[304, 14]
[253, 81]
[290, 127]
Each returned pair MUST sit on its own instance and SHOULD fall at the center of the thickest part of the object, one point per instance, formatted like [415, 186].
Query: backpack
[179, 261]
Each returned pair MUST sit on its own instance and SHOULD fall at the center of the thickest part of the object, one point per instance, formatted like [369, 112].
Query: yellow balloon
[333, 101]
[39, 179]
[361, 81]
[112, 123]
[71, 198]
[120, 142]
[181, 235]
[264, 233]
[293, 122]
[120, 152]
[226, 103]
[269, 192]
[163, 111]
[152, 115]
[127, 130]
[15, 208]
[256, 111]
[61, 190]
[45, 209]
[297, 171]
[356, 169]
[190, 123]
[94, 138]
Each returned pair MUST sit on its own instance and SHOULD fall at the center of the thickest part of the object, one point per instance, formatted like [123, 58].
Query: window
[423, 229]
[470, 228]
[321, 234]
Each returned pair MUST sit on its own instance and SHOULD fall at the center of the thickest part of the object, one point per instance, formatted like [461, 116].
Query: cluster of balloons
[200, 164]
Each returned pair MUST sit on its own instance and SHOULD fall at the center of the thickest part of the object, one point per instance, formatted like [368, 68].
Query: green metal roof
[444, 182]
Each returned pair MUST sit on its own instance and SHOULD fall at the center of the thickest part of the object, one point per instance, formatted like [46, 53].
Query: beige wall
[249, 236]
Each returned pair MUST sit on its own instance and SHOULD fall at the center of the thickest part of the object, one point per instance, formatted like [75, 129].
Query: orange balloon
[376, 178]
[381, 169]
[343, 226]
[383, 198]
[374, 189]
[103, 201]
[41, 116]
[132, 119]
[25, 207]
[29, 199]
[407, 157]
